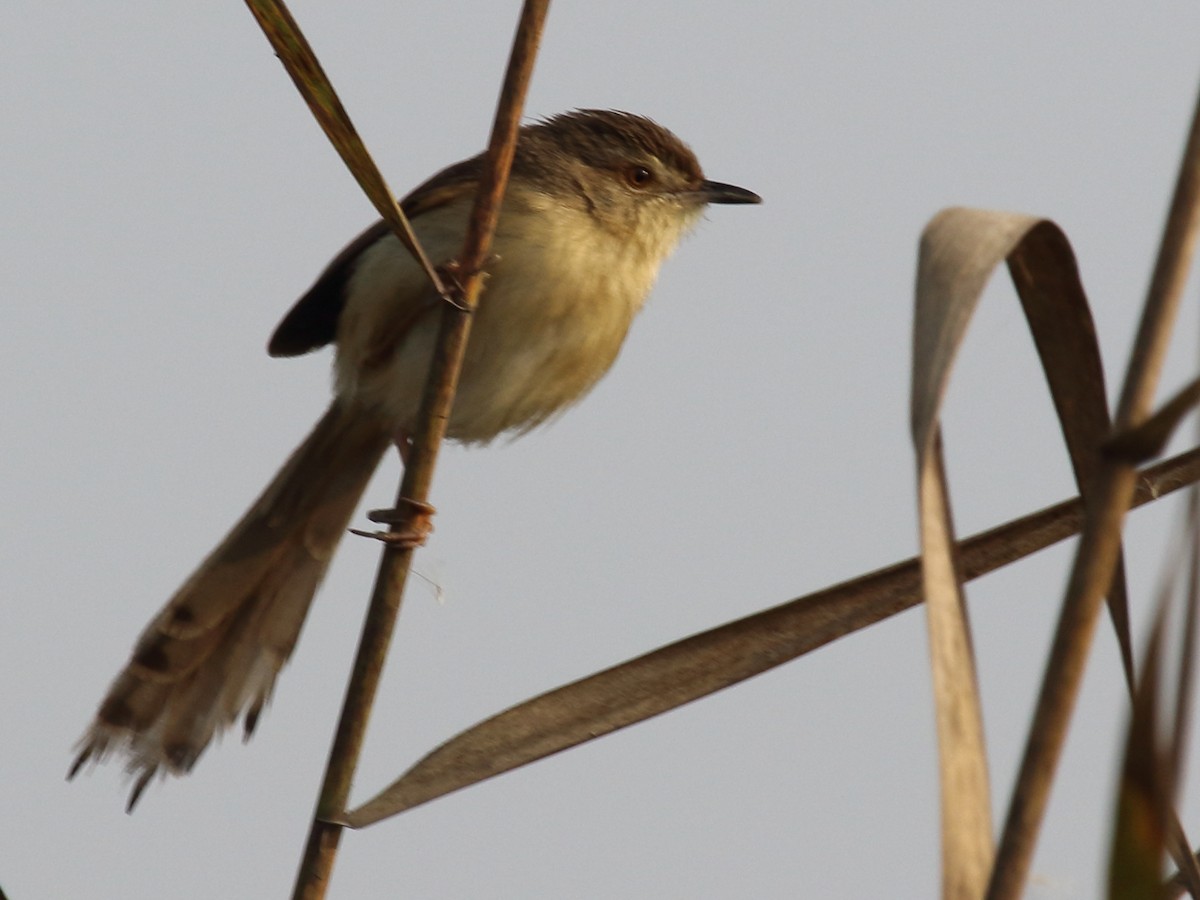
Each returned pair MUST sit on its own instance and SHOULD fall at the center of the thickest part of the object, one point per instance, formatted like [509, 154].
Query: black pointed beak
[717, 192]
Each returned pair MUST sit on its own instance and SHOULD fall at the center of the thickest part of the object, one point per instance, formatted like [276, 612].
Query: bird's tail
[215, 649]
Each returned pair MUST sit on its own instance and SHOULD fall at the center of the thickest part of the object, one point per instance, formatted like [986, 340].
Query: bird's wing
[312, 322]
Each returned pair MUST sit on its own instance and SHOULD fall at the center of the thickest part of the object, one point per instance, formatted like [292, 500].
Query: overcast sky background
[166, 196]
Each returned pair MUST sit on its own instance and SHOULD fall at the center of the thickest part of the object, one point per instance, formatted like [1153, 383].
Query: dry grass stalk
[321, 848]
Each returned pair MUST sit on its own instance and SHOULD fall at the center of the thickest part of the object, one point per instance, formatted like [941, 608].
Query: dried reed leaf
[704, 663]
[1146, 827]
[960, 249]
[314, 86]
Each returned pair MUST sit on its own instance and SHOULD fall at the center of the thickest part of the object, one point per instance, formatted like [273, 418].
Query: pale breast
[556, 307]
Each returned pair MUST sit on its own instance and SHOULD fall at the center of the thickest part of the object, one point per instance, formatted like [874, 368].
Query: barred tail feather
[214, 651]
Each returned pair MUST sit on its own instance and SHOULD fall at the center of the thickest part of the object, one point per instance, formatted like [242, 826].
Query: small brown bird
[595, 202]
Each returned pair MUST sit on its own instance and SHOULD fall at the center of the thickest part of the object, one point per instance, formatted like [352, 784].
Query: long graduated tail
[215, 649]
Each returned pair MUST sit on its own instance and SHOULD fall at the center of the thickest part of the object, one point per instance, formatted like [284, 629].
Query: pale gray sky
[166, 197]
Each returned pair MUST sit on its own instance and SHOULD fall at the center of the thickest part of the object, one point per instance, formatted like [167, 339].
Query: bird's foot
[455, 277]
[413, 518]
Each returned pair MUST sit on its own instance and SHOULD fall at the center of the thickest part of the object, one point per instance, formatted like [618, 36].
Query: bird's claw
[414, 519]
[454, 276]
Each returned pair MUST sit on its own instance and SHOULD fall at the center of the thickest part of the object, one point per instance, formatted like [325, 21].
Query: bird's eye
[638, 176]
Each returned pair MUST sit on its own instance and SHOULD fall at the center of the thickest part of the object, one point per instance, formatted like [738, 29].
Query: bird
[596, 201]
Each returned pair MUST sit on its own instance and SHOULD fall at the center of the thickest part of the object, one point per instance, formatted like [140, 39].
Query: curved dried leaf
[960, 249]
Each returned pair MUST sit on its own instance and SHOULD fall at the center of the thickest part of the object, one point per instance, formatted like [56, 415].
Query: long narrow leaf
[960, 250]
[314, 86]
[707, 662]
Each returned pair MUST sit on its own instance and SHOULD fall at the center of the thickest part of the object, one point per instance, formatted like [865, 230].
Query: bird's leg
[451, 274]
[404, 444]
[413, 517]
[454, 277]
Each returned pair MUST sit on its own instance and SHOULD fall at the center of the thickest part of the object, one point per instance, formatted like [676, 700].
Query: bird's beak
[716, 192]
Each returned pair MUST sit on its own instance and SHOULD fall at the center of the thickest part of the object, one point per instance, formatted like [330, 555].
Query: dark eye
[638, 176]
